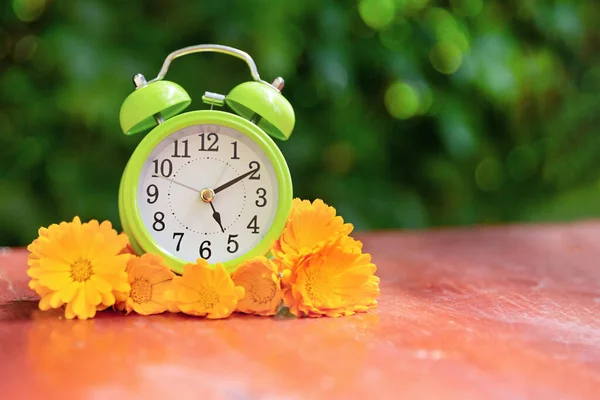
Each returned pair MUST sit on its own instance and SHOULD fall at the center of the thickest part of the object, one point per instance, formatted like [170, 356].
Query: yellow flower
[309, 228]
[149, 278]
[204, 291]
[121, 297]
[334, 281]
[78, 265]
[260, 280]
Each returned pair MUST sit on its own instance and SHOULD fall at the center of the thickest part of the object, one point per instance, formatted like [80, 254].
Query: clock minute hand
[233, 181]
[179, 183]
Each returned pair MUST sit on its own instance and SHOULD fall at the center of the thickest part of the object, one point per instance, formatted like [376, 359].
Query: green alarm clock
[208, 183]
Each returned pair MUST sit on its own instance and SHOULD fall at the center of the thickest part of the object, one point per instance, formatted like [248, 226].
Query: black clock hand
[216, 216]
[235, 180]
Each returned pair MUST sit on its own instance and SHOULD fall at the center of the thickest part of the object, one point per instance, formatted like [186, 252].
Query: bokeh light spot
[440, 21]
[377, 14]
[446, 28]
[489, 175]
[468, 8]
[28, 10]
[402, 100]
[446, 57]
[458, 38]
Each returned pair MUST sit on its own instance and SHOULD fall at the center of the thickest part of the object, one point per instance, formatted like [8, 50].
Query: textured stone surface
[494, 313]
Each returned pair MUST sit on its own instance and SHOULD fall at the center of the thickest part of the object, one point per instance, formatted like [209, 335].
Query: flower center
[318, 286]
[208, 297]
[263, 290]
[141, 291]
[81, 270]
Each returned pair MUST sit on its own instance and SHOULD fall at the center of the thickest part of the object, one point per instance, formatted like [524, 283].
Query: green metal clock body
[205, 184]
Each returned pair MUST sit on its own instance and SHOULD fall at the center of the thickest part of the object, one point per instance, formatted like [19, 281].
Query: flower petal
[55, 280]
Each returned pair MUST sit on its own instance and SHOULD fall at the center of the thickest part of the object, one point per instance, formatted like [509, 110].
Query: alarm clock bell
[157, 100]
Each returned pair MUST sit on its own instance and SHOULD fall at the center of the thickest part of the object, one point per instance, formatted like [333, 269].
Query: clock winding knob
[139, 80]
[278, 83]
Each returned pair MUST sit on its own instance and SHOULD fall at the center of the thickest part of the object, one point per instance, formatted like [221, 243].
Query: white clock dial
[203, 159]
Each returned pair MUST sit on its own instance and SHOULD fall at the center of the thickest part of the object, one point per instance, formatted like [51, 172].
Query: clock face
[207, 191]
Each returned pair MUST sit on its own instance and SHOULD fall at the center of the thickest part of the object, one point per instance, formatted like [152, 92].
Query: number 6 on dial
[209, 183]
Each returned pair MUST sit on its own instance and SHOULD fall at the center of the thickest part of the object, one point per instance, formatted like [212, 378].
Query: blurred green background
[410, 113]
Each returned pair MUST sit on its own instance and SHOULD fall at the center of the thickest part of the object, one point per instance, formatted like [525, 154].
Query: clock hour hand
[179, 183]
[233, 181]
[216, 216]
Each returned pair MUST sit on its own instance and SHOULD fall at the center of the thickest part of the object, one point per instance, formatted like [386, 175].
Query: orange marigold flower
[128, 249]
[335, 281]
[310, 227]
[204, 291]
[260, 279]
[78, 265]
[149, 279]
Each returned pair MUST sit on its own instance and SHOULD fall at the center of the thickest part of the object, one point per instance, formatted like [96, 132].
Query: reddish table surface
[496, 313]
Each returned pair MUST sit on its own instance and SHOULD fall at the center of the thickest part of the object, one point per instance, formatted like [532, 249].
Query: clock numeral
[175, 235]
[166, 168]
[231, 241]
[176, 149]
[235, 156]
[262, 193]
[205, 250]
[211, 137]
[158, 224]
[152, 191]
[256, 167]
[253, 225]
